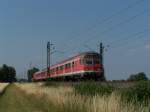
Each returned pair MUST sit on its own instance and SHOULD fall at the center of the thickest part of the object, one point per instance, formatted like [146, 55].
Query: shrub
[140, 92]
[138, 77]
[92, 88]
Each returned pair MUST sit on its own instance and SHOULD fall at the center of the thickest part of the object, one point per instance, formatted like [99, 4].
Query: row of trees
[138, 77]
[31, 72]
[7, 73]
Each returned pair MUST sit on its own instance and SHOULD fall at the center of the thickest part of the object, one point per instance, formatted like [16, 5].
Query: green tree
[31, 72]
[138, 77]
[7, 73]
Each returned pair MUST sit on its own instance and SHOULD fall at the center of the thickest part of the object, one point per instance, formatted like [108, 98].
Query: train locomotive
[84, 66]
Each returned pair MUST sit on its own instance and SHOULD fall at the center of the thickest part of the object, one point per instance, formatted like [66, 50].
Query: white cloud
[147, 46]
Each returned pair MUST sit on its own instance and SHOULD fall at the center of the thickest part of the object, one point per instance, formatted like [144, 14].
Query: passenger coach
[83, 66]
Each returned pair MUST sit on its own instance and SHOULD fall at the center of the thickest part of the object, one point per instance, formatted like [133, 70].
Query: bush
[138, 93]
[92, 88]
[138, 77]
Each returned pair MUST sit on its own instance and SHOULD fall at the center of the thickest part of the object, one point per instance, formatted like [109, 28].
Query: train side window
[57, 69]
[73, 64]
[65, 66]
[76, 63]
[81, 61]
[61, 67]
[54, 69]
[69, 65]
[51, 71]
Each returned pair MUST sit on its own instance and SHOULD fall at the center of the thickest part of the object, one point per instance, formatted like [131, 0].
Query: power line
[127, 42]
[113, 15]
[121, 23]
[133, 36]
[133, 46]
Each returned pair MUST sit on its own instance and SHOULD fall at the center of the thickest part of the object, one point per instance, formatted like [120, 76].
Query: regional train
[84, 66]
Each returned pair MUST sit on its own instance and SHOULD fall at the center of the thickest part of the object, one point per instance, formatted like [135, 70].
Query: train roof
[78, 55]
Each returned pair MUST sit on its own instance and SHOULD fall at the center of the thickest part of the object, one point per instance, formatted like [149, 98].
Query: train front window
[89, 62]
[96, 62]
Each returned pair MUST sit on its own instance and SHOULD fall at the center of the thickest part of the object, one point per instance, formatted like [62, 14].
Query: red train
[83, 66]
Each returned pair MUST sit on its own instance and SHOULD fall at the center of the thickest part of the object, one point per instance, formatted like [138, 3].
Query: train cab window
[88, 62]
[96, 62]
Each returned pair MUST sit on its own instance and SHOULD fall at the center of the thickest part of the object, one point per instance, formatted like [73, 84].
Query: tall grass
[16, 100]
[139, 93]
[67, 99]
[93, 88]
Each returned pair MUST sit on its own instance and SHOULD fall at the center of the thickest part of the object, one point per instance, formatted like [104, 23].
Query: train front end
[93, 68]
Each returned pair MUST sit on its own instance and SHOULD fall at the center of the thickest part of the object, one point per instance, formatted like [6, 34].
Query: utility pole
[101, 52]
[48, 58]
[30, 65]
[49, 45]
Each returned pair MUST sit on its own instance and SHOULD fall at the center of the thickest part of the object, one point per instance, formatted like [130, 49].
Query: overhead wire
[110, 17]
[121, 23]
[113, 15]
[125, 43]
[121, 41]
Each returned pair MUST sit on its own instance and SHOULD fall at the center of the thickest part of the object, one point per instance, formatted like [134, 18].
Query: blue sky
[27, 25]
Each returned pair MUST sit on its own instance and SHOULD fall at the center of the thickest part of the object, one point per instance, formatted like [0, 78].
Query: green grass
[15, 100]
[93, 88]
[139, 92]
[90, 97]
